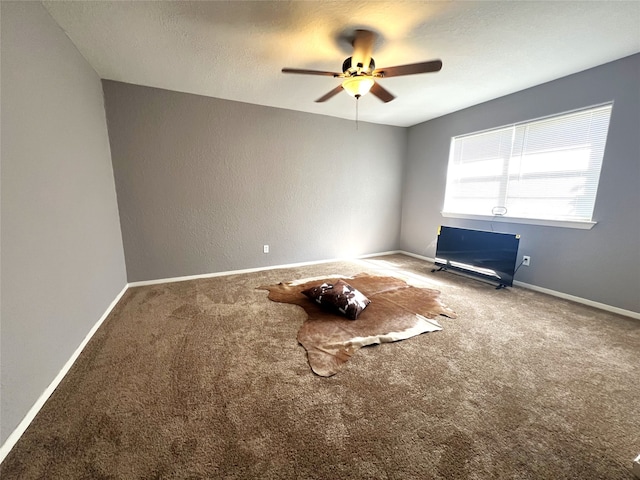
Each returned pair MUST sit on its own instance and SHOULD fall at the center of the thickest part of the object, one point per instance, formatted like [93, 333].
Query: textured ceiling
[236, 49]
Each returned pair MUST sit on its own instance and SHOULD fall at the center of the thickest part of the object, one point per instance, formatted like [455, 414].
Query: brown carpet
[204, 379]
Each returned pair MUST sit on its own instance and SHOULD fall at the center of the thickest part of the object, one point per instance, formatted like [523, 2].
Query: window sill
[526, 221]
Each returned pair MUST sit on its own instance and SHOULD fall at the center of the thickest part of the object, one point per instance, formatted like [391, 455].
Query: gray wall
[62, 255]
[204, 183]
[602, 264]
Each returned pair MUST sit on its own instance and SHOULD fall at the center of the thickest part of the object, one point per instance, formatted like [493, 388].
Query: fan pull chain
[357, 101]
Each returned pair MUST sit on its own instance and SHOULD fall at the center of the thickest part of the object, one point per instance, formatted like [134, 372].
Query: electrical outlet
[526, 260]
[265, 248]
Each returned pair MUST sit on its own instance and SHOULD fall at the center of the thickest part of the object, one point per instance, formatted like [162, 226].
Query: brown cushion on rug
[339, 297]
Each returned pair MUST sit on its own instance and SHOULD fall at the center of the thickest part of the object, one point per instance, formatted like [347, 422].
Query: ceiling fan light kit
[359, 80]
[358, 85]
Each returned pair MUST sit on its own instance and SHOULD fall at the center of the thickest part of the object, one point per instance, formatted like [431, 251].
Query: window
[545, 169]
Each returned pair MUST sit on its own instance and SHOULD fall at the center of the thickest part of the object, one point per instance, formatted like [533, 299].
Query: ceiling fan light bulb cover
[358, 86]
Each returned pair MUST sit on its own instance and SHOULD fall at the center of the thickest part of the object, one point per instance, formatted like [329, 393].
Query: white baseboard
[554, 293]
[415, 255]
[566, 296]
[636, 466]
[33, 411]
[253, 270]
[584, 301]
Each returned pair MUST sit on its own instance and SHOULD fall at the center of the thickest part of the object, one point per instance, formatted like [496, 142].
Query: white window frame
[504, 177]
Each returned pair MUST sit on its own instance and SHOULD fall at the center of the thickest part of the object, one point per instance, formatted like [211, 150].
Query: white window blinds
[543, 169]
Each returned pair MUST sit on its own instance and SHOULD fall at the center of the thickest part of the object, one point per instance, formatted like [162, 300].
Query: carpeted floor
[205, 379]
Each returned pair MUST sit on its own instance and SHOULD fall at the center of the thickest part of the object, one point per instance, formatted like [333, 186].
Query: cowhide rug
[397, 311]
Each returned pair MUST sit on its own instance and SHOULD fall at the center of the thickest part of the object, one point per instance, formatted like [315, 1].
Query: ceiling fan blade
[382, 93]
[424, 67]
[327, 96]
[363, 48]
[310, 72]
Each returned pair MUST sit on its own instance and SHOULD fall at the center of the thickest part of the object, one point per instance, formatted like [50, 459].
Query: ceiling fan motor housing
[348, 68]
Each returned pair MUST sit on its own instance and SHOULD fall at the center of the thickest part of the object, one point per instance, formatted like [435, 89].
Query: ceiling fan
[360, 73]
